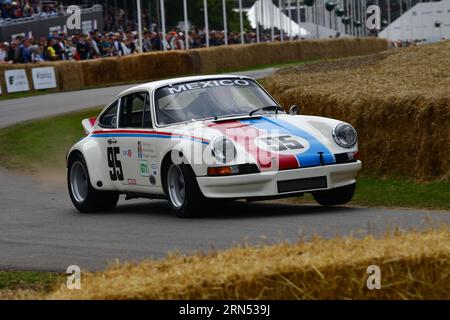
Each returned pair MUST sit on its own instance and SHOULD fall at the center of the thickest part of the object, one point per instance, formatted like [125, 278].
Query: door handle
[112, 140]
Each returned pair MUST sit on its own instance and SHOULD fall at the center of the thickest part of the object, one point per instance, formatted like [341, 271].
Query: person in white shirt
[4, 48]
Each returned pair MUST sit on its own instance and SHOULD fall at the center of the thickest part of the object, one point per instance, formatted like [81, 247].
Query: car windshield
[209, 99]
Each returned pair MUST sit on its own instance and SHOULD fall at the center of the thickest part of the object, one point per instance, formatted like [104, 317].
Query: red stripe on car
[245, 135]
[169, 134]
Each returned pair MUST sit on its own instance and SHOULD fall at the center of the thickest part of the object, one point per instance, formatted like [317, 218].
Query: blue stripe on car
[138, 135]
[311, 157]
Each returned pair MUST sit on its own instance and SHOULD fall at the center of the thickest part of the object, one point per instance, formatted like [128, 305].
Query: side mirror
[294, 110]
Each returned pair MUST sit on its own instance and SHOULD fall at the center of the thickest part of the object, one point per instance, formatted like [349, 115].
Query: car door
[134, 128]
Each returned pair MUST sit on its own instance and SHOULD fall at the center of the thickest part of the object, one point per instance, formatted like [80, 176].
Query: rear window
[109, 117]
[132, 110]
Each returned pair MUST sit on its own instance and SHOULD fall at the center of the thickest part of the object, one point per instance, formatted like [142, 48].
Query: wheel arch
[95, 163]
[167, 161]
[70, 156]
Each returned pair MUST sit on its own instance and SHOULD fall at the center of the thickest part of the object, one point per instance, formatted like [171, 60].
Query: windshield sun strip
[156, 111]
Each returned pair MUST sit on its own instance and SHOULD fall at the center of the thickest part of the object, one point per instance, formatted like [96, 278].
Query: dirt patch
[52, 177]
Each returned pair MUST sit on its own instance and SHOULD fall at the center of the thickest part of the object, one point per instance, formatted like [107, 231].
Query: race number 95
[115, 172]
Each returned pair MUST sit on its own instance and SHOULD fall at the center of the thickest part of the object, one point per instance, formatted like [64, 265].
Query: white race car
[195, 139]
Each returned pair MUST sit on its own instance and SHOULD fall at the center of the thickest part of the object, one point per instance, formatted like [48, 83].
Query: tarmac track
[41, 230]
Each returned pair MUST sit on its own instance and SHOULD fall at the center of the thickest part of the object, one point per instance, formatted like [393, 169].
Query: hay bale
[235, 57]
[413, 266]
[100, 71]
[72, 75]
[398, 102]
[155, 65]
[69, 75]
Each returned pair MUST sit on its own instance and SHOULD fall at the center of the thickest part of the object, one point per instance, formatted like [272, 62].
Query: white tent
[267, 14]
[419, 23]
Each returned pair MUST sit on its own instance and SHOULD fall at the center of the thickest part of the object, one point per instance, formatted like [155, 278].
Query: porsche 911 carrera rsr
[195, 139]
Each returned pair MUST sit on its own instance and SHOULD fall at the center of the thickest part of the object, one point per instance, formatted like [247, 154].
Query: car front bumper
[279, 183]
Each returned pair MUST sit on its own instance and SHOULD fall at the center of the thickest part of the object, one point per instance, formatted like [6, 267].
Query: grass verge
[39, 145]
[26, 94]
[39, 148]
[414, 265]
[390, 192]
[12, 282]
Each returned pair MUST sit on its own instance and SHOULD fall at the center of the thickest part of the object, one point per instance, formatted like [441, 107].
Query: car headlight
[223, 149]
[344, 135]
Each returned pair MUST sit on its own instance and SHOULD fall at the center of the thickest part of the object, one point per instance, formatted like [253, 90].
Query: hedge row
[73, 75]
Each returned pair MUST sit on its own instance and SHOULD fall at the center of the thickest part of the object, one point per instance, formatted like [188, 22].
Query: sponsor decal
[127, 153]
[154, 166]
[140, 153]
[143, 168]
[145, 150]
[132, 182]
[206, 84]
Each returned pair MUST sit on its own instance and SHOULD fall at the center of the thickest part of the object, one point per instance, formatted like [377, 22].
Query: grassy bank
[413, 265]
[13, 282]
[39, 148]
[396, 193]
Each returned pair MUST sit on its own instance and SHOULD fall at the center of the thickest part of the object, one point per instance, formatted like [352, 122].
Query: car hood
[275, 142]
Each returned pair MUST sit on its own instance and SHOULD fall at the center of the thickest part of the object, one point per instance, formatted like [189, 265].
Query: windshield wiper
[268, 108]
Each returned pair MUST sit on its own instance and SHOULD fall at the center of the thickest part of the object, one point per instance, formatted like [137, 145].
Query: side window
[147, 113]
[109, 117]
[132, 110]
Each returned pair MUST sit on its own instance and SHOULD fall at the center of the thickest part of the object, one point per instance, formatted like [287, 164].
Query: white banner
[16, 80]
[44, 78]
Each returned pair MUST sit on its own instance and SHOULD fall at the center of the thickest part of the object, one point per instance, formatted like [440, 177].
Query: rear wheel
[335, 197]
[184, 195]
[84, 197]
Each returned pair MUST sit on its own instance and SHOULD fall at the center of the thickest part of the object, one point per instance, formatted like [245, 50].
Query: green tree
[174, 14]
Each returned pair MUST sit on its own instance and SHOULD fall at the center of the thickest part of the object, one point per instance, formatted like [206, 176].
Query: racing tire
[84, 197]
[183, 192]
[335, 197]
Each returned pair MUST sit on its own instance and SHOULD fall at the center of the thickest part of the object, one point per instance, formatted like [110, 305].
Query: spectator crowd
[118, 37]
[59, 46]
[28, 8]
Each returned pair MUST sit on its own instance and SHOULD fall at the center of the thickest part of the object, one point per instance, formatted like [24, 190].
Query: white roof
[161, 83]
[265, 13]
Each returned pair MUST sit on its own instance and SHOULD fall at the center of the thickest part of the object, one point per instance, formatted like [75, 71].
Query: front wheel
[185, 197]
[335, 197]
[84, 197]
